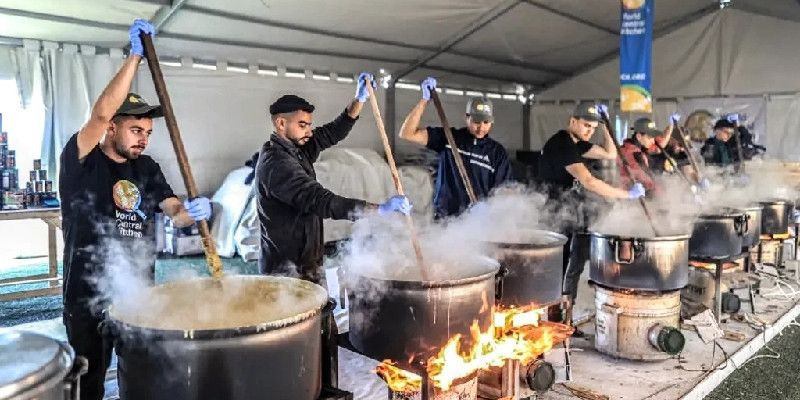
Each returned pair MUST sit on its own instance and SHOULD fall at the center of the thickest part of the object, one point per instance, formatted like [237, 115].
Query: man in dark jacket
[485, 160]
[721, 150]
[291, 203]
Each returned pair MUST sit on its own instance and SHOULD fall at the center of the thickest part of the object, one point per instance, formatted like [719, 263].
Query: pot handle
[498, 282]
[72, 391]
[617, 258]
[742, 224]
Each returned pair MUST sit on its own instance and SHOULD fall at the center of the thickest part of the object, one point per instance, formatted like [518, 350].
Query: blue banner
[635, 50]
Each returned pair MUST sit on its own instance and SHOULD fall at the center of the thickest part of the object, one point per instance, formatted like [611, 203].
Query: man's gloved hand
[733, 117]
[427, 85]
[602, 109]
[741, 180]
[362, 94]
[140, 26]
[704, 184]
[674, 119]
[199, 208]
[636, 191]
[395, 204]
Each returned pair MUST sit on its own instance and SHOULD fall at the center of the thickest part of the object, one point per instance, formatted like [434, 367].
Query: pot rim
[665, 238]
[490, 274]
[120, 328]
[775, 202]
[560, 240]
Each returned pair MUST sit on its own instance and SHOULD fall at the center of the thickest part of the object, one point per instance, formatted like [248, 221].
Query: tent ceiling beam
[366, 39]
[485, 19]
[658, 33]
[573, 18]
[166, 13]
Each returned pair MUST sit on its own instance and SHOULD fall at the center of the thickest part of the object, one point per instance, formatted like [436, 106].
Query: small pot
[645, 264]
[753, 233]
[776, 216]
[718, 235]
[38, 367]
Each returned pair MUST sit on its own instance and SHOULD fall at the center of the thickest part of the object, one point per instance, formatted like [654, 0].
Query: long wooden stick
[398, 184]
[212, 258]
[736, 135]
[688, 149]
[627, 169]
[462, 171]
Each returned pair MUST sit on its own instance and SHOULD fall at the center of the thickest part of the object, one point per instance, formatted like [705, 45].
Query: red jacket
[633, 154]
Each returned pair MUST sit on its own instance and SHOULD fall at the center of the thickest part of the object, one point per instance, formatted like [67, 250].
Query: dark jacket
[485, 160]
[292, 204]
[717, 152]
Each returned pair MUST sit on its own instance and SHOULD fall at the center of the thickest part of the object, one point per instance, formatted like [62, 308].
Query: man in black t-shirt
[562, 170]
[485, 160]
[110, 193]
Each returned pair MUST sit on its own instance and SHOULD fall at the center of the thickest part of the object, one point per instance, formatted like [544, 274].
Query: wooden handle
[387, 148]
[674, 164]
[739, 151]
[688, 149]
[212, 258]
[453, 147]
[627, 169]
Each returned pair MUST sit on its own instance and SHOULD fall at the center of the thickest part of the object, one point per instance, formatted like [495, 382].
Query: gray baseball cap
[587, 111]
[646, 126]
[480, 109]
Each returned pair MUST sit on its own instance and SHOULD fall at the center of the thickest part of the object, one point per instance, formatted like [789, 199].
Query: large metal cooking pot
[238, 339]
[531, 268]
[718, 235]
[401, 319]
[753, 233]
[776, 216]
[648, 264]
[38, 367]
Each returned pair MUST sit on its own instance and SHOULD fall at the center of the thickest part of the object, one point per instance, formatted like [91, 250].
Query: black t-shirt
[108, 211]
[558, 152]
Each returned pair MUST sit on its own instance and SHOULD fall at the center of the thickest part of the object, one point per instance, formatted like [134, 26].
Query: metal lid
[29, 359]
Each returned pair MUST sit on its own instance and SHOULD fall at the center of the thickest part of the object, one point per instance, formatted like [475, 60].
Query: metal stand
[719, 265]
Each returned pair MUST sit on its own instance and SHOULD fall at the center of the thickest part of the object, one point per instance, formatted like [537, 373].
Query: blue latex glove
[741, 180]
[395, 204]
[674, 119]
[732, 118]
[602, 109]
[199, 208]
[636, 191]
[704, 184]
[427, 85]
[361, 87]
[140, 26]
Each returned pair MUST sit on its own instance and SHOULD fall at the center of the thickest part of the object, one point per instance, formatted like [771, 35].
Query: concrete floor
[619, 379]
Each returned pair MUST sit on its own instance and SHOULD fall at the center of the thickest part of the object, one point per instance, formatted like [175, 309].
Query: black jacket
[292, 204]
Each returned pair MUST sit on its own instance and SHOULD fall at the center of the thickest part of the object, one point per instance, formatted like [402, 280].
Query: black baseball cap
[135, 105]
[724, 123]
[646, 126]
[480, 109]
[290, 103]
[587, 112]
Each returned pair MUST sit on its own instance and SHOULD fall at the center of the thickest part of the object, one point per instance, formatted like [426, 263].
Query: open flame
[516, 334]
[776, 236]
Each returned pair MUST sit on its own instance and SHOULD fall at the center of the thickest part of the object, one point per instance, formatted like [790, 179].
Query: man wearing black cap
[110, 193]
[563, 172]
[649, 150]
[291, 203]
[485, 160]
[719, 149]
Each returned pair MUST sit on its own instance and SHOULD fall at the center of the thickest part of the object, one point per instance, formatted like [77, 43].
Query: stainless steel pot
[776, 216]
[647, 264]
[531, 269]
[38, 367]
[400, 320]
[753, 233]
[718, 235]
[278, 352]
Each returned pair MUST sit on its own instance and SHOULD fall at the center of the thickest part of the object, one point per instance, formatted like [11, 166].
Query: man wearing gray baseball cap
[486, 160]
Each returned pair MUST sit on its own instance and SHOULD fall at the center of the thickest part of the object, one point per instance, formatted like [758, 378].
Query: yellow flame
[399, 380]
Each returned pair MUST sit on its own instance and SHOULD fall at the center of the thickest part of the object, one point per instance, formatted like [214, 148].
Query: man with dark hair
[719, 149]
[486, 161]
[110, 193]
[291, 203]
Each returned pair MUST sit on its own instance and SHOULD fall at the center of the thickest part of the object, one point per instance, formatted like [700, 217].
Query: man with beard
[562, 170]
[291, 203]
[110, 193]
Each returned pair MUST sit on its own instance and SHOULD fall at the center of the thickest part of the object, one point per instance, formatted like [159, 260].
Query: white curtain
[783, 121]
